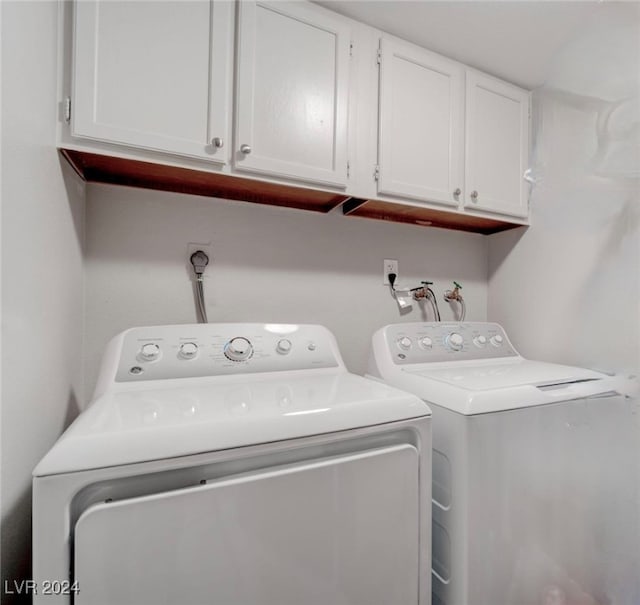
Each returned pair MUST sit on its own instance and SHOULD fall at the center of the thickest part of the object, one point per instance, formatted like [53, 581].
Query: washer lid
[480, 387]
[492, 375]
[140, 424]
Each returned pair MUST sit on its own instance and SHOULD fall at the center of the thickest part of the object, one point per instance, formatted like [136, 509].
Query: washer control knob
[426, 342]
[404, 343]
[188, 350]
[284, 346]
[455, 341]
[480, 341]
[150, 351]
[496, 340]
[238, 349]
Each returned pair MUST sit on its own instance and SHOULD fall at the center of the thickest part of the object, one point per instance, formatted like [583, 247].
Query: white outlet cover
[389, 266]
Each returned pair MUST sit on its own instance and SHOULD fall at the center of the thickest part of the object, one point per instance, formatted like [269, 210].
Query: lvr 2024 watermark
[45, 587]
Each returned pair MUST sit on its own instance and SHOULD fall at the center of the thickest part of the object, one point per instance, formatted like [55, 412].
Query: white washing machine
[236, 464]
[527, 458]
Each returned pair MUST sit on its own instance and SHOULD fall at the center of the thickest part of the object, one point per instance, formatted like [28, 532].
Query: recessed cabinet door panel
[339, 531]
[497, 134]
[421, 113]
[292, 95]
[153, 74]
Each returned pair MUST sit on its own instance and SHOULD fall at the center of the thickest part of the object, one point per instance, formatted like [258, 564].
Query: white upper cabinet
[292, 92]
[421, 135]
[497, 144]
[154, 75]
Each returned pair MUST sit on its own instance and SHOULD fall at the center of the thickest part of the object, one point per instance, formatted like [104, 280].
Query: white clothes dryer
[236, 464]
[526, 457]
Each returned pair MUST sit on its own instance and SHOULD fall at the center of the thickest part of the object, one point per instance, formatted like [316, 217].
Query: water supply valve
[455, 296]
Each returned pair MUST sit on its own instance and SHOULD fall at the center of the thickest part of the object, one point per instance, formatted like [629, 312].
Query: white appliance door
[336, 531]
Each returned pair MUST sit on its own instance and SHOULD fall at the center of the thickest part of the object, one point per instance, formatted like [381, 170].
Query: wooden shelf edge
[98, 168]
[424, 217]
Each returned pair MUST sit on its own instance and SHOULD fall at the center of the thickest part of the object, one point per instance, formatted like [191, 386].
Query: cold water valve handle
[454, 294]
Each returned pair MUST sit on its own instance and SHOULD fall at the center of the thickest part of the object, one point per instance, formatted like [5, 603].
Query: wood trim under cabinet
[425, 217]
[97, 168]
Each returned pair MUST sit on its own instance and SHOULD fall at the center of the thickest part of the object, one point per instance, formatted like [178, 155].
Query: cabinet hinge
[66, 109]
[376, 173]
[379, 56]
[348, 168]
[351, 49]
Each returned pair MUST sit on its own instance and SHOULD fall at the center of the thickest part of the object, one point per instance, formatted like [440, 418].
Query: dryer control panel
[443, 341]
[188, 351]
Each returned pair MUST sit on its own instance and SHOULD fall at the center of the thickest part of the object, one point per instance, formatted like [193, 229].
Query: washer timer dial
[455, 341]
[238, 349]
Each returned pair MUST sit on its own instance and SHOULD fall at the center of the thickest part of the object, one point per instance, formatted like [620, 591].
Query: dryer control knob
[188, 350]
[480, 341]
[455, 341]
[284, 346]
[496, 340]
[404, 343]
[238, 349]
[426, 342]
[150, 351]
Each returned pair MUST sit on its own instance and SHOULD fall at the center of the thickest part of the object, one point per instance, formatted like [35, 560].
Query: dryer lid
[198, 416]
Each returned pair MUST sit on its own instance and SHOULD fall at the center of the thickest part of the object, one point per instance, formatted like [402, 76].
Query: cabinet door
[421, 116]
[497, 144]
[292, 92]
[153, 74]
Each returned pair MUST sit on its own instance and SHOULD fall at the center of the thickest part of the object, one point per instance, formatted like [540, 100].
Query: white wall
[269, 264]
[42, 225]
[567, 290]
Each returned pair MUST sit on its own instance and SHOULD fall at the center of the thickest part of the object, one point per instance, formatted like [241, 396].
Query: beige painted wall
[42, 234]
[269, 264]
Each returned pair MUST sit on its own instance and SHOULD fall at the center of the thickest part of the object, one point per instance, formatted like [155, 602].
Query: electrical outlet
[389, 266]
[194, 247]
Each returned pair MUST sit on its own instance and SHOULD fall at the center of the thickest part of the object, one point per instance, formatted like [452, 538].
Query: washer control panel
[153, 353]
[442, 341]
